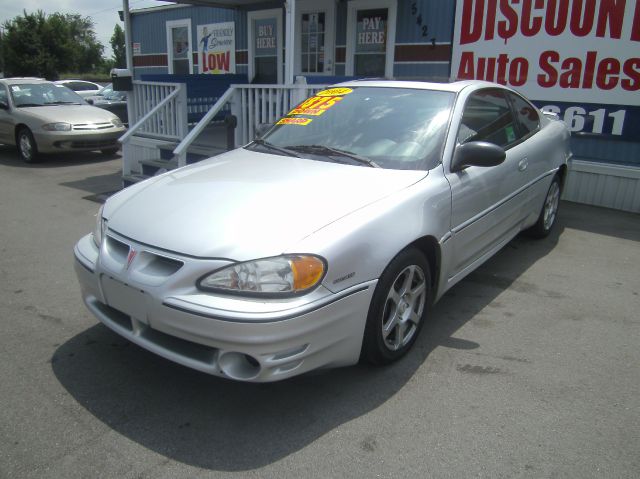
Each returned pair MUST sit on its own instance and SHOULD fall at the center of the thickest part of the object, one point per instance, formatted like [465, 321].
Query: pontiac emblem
[131, 256]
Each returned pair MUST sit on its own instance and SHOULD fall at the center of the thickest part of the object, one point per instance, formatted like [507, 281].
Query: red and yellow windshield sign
[317, 105]
[294, 121]
[334, 92]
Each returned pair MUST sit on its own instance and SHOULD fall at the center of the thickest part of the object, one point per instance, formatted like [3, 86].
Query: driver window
[487, 117]
[3, 95]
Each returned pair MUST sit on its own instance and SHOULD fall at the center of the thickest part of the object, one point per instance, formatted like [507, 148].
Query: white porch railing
[157, 114]
[252, 105]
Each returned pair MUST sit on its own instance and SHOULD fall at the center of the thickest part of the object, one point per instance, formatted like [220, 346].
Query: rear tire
[26, 144]
[549, 212]
[109, 151]
[398, 308]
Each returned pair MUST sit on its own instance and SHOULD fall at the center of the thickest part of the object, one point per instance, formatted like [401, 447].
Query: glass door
[371, 42]
[265, 46]
[180, 61]
[312, 46]
[314, 42]
[371, 38]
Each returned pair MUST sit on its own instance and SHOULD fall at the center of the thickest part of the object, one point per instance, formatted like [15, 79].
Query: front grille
[153, 266]
[93, 126]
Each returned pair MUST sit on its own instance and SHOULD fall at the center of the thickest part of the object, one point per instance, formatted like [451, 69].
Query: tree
[36, 44]
[118, 45]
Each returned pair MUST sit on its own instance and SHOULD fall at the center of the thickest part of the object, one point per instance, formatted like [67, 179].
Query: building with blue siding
[337, 39]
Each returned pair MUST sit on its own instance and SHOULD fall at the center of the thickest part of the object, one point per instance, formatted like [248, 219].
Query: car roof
[68, 80]
[454, 87]
[19, 80]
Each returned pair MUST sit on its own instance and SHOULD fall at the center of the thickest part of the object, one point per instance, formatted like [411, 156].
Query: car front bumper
[65, 141]
[247, 340]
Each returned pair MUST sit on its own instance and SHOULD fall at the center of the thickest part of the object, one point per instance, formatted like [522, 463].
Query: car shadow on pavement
[100, 186]
[10, 157]
[219, 424]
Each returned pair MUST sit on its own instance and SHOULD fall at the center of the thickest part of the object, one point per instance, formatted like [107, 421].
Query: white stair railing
[252, 105]
[158, 114]
[260, 104]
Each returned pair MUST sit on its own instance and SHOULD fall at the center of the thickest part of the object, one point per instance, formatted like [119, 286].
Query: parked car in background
[39, 116]
[83, 88]
[100, 95]
[113, 101]
[325, 241]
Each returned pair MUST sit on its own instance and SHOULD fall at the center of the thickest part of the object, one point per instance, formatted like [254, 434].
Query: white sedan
[324, 242]
[83, 88]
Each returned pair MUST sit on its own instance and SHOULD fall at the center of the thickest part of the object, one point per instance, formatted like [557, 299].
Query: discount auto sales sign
[579, 58]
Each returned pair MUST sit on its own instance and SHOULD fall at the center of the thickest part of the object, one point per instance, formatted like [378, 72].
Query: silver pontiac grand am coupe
[325, 241]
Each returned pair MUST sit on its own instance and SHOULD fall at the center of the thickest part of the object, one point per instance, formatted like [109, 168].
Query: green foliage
[118, 46]
[35, 44]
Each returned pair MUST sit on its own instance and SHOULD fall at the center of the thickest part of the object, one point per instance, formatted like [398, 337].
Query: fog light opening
[239, 366]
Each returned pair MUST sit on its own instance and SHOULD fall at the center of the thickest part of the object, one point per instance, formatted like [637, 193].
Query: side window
[80, 86]
[526, 114]
[3, 95]
[487, 117]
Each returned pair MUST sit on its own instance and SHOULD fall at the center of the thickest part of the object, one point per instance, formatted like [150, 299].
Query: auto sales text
[584, 21]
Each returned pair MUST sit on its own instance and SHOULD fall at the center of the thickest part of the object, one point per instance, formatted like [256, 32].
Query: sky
[104, 13]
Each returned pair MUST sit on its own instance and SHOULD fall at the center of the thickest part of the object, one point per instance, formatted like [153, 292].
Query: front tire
[398, 308]
[549, 212]
[27, 147]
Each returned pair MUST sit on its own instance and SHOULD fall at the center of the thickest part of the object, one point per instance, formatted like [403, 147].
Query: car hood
[244, 205]
[69, 113]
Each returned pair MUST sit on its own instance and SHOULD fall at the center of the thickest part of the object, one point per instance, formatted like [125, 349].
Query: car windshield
[40, 94]
[106, 90]
[395, 128]
[114, 95]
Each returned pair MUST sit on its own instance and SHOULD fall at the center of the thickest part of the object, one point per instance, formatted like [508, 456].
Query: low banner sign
[217, 48]
[578, 58]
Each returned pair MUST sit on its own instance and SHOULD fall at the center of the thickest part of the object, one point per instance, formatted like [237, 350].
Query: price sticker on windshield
[316, 105]
[334, 92]
[294, 121]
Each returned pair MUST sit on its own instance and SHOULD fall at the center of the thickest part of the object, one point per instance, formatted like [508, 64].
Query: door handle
[522, 165]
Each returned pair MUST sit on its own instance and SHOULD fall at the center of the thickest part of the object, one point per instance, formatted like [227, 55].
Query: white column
[289, 51]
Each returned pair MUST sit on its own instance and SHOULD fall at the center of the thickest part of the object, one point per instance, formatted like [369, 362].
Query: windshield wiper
[326, 150]
[29, 104]
[266, 144]
[60, 102]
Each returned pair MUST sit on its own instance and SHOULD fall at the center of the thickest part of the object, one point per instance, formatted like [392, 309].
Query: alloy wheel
[404, 307]
[26, 148]
[551, 205]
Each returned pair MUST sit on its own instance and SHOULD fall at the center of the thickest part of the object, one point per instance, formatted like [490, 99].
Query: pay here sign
[579, 58]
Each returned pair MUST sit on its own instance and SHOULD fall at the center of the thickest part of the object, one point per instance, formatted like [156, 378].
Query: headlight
[283, 275]
[98, 230]
[116, 122]
[61, 126]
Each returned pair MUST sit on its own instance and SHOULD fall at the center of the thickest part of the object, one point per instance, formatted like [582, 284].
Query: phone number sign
[620, 122]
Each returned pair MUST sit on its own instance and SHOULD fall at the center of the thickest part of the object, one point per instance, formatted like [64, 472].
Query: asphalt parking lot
[527, 368]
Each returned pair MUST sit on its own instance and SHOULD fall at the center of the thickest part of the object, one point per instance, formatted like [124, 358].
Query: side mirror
[477, 153]
[4, 105]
